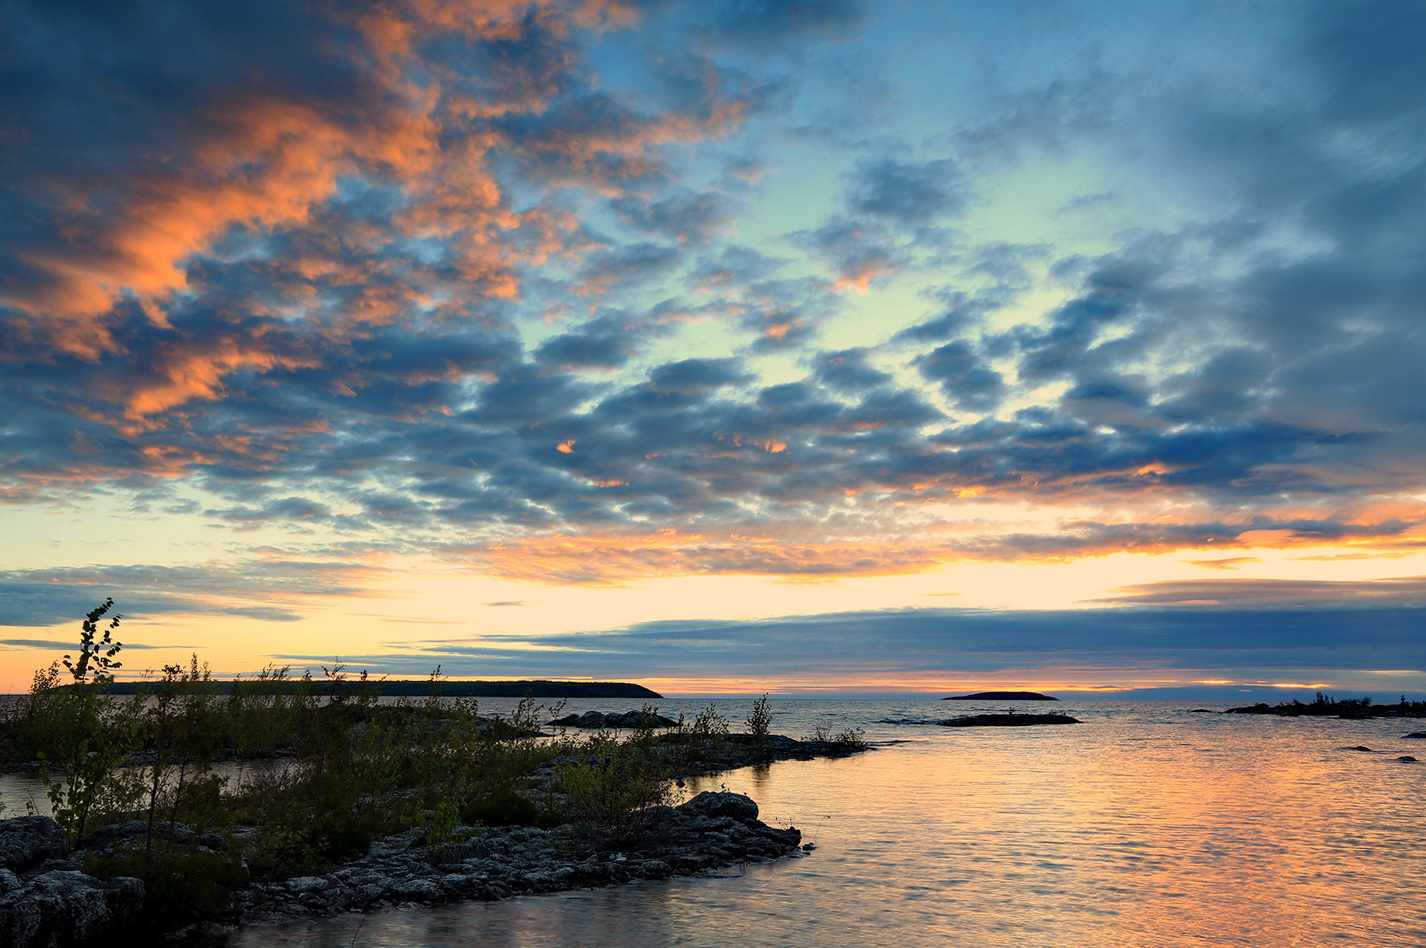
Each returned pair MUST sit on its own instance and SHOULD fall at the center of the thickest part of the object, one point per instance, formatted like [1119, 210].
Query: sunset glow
[832, 347]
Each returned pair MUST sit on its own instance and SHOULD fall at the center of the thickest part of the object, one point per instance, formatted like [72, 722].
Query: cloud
[465, 278]
[849, 370]
[683, 215]
[963, 376]
[925, 645]
[1397, 591]
[907, 193]
[271, 590]
[765, 23]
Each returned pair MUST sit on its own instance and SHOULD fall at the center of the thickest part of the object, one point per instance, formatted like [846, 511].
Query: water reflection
[1144, 826]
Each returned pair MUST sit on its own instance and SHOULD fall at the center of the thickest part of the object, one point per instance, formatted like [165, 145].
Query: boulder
[61, 908]
[621, 719]
[633, 719]
[714, 804]
[29, 840]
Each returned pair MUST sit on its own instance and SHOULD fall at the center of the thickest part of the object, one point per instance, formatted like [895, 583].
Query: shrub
[760, 720]
[609, 790]
[502, 807]
[851, 738]
[182, 884]
[86, 742]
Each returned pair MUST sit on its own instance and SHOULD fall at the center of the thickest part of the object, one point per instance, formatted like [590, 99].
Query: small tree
[760, 720]
[87, 749]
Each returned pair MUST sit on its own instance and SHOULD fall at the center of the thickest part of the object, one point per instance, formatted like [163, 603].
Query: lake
[1146, 825]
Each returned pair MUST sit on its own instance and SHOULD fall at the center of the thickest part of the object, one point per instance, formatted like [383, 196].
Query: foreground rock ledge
[712, 830]
[45, 901]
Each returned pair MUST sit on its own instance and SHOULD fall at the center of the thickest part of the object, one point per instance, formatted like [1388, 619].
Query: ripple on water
[1144, 826]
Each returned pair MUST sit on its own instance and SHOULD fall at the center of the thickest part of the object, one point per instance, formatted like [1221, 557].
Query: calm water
[1145, 826]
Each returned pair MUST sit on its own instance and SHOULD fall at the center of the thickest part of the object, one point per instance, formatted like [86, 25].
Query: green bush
[503, 807]
[86, 741]
[608, 790]
[760, 720]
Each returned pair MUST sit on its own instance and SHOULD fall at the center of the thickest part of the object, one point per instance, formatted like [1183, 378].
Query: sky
[726, 346]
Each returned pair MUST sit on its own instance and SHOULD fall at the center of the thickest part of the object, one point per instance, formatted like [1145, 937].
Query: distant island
[1327, 706]
[1002, 696]
[417, 688]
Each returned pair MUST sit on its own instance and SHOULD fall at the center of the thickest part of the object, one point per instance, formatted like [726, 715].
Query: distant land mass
[418, 688]
[1002, 696]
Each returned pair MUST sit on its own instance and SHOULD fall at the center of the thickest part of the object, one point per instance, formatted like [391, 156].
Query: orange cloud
[269, 162]
[618, 558]
[199, 374]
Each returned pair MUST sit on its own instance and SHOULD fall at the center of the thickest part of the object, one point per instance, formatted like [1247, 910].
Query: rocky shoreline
[710, 831]
[47, 900]
[1352, 709]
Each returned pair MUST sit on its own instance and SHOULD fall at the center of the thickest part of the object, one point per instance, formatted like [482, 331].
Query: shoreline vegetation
[1327, 706]
[404, 688]
[192, 806]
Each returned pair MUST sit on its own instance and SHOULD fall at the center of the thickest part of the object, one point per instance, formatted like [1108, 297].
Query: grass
[344, 770]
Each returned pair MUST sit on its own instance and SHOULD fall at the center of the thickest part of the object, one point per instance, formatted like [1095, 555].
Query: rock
[1415, 734]
[714, 804]
[622, 719]
[711, 830]
[303, 885]
[1008, 720]
[1407, 759]
[1359, 747]
[27, 841]
[64, 908]
[111, 839]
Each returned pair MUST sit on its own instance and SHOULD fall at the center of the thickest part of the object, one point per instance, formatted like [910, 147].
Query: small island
[1327, 706]
[1002, 696]
[1008, 720]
